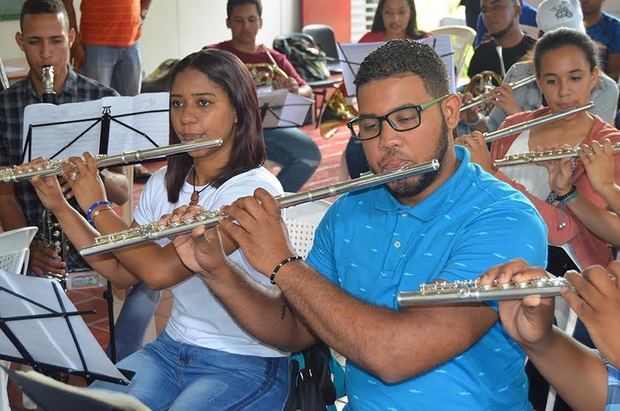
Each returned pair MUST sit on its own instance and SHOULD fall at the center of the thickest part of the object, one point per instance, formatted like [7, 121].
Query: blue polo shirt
[606, 32]
[372, 247]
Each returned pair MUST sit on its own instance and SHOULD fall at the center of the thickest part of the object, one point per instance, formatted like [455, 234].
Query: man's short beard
[413, 186]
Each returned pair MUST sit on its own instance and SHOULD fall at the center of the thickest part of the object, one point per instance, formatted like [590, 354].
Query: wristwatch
[144, 13]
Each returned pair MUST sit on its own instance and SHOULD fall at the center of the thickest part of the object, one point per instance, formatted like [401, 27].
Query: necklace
[196, 194]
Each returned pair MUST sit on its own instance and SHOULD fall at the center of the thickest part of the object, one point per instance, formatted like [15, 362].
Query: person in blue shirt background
[604, 29]
[451, 225]
[527, 21]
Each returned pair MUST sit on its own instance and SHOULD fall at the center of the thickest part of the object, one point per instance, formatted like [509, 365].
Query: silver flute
[537, 156]
[483, 98]
[517, 128]
[13, 175]
[155, 231]
[471, 291]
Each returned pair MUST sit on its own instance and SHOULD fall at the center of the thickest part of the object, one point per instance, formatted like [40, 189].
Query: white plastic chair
[14, 255]
[462, 38]
[15, 249]
[301, 222]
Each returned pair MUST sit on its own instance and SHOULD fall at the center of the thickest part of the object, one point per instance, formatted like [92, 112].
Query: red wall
[334, 13]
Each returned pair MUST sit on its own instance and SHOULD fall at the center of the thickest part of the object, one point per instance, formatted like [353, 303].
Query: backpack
[309, 61]
[312, 385]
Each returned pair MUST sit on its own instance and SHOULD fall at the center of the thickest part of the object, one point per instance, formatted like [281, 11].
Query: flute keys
[540, 282]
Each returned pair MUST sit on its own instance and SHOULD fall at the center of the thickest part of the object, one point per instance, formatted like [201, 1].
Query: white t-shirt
[197, 316]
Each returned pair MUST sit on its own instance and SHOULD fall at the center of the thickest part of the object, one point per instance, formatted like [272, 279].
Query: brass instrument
[517, 128]
[471, 291]
[482, 84]
[154, 231]
[336, 114]
[263, 74]
[13, 175]
[48, 94]
[537, 156]
[483, 98]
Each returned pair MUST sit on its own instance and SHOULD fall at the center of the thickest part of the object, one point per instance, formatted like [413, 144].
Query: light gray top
[604, 95]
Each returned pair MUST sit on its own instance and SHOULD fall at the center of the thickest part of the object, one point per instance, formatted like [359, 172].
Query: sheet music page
[155, 125]
[56, 128]
[48, 141]
[283, 109]
[48, 340]
[353, 54]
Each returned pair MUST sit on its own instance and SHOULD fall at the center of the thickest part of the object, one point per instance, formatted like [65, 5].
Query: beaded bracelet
[272, 278]
[566, 198]
[89, 213]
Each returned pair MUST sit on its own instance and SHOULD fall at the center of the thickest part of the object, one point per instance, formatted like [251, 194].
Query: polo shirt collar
[441, 198]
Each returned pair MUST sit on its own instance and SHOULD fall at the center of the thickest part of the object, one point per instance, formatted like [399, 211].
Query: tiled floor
[327, 173]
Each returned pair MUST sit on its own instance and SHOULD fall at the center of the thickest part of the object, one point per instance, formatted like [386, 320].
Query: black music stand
[40, 327]
[278, 112]
[104, 135]
[104, 121]
[357, 52]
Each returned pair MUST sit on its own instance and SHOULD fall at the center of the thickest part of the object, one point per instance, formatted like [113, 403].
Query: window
[362, 13]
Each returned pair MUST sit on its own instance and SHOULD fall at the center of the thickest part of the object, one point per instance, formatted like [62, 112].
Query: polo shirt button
[397, 244]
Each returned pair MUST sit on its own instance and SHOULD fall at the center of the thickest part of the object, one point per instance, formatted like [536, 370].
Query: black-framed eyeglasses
[402, 119]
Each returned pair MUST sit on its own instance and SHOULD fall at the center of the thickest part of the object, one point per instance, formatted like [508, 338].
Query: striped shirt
[12, 103]
[613, 388]
[112, 23]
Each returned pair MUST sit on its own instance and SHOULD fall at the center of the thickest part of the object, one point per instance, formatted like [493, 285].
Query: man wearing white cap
[552, 14]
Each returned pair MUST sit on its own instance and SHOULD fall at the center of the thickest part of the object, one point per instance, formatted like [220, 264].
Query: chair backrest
[15, 249]
[301, 222]
[324, 37]
[462, 38]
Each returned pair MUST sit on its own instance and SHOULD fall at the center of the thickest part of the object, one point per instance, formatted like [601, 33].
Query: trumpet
[13, 175]
[537, 156]
[470, 291]
[517, 128]
[483, 98]
[155, 231]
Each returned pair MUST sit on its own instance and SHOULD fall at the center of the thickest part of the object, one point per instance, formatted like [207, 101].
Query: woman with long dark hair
[394, 19]
[205, 358]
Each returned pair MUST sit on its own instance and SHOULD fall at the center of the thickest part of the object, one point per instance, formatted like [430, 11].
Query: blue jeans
[298, 155]
[134, 319]
[116, 67]
[176, 376]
